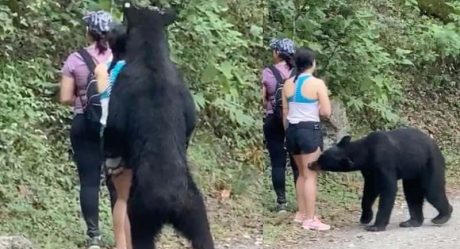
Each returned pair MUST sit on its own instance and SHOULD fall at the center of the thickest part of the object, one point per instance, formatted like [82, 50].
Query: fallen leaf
[225, 194]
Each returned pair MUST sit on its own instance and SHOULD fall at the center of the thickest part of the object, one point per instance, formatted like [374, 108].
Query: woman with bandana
[283, 51]
[85, 141]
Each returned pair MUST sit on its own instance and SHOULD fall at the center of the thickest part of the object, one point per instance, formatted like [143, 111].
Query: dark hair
[304, 59]
[101, 41]
[289, 59]
[117, 38]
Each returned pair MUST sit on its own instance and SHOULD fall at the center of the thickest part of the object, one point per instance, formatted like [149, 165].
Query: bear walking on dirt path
[151, 118]
[383, 157]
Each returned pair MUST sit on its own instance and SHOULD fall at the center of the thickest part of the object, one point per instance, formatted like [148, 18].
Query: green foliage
[364, 48]
[37, 186]
[213, 44]
[346, 38]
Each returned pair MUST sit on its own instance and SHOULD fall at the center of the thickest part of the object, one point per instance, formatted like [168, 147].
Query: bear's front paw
[375, 228]
[366, 217]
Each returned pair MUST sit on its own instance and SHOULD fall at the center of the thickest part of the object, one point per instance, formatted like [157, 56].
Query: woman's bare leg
[310, 186]
[300, 183]
[122, 184]
[129, 243]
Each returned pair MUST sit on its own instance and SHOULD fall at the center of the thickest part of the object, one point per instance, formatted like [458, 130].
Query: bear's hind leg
[436, 196]
[192, 222]
[434, 184]
[413, 192]
[144, 229]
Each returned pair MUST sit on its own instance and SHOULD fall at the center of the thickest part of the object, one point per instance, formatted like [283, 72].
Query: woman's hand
[264, 97]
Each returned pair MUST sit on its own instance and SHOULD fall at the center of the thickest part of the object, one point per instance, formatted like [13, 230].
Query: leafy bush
[365, 48]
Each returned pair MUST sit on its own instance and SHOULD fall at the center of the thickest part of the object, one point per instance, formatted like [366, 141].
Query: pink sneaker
[315, 224]
[299, 218]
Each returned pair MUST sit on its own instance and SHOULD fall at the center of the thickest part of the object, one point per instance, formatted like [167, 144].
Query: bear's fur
[383, 157]
[151, 117]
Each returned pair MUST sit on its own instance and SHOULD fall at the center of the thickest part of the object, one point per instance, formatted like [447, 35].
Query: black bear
[151, 117]
[383, 157]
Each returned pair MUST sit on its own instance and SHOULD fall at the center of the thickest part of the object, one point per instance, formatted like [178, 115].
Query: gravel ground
[354, 236]
[245, 243]
[426, 237]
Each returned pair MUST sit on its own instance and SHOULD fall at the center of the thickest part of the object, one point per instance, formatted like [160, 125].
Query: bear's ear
[344, 141]
[168, 16]
[127, 4]
[131, 14]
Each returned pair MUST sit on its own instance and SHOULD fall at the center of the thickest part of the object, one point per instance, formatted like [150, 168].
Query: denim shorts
[304, 138]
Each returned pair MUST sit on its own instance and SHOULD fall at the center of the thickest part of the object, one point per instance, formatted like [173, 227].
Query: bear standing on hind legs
[383, 158]
[151, 118]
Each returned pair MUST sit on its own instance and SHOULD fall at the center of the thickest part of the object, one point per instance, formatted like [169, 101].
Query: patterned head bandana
[98, 21]
[284, 46]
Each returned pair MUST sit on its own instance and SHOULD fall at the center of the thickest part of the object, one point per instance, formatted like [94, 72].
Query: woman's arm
[265, 78]
[264, 96]
[67, 84]
[285, 107]
[324, 102]
[67, 90]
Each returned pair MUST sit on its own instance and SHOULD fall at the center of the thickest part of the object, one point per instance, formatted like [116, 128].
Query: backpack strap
[277, 74]
[87, 59]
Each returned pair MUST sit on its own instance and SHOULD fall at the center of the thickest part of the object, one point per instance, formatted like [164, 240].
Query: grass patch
[452, 157]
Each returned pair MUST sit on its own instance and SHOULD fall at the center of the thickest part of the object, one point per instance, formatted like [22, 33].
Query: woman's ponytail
[299, 71]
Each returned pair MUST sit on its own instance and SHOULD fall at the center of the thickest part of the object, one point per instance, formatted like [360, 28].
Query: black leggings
[88, 158]
[274, 138]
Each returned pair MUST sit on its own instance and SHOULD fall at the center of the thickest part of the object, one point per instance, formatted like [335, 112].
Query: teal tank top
[112, 77]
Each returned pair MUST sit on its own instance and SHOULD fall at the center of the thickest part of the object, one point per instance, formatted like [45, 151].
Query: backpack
[92, 109]
[277, 101]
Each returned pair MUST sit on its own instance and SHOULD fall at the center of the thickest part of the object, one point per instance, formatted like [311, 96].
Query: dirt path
[253, 242]
[426, 237]
[352, 235]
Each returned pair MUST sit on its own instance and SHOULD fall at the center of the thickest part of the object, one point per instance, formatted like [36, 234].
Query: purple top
[75, 67]
[269, 81]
